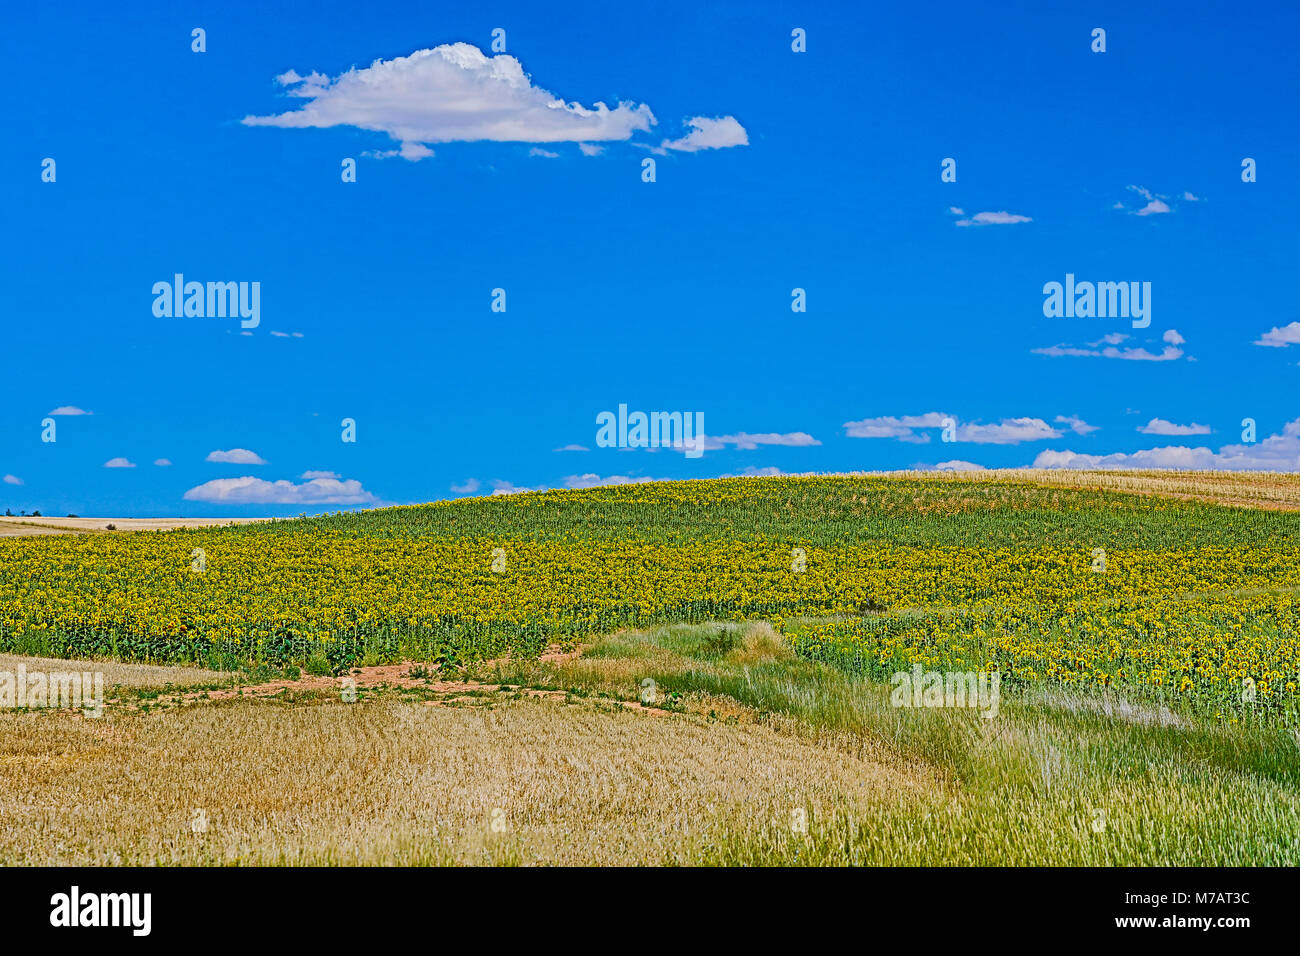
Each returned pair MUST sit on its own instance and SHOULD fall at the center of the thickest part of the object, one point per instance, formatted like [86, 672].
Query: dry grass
[1246, 489]
[17, 526]
[116, 674]
[393, 781]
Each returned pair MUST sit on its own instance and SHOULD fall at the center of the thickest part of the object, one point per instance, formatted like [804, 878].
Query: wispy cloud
[1003, 218]
[908, 428]
[1169, 353]
[119, 463]
[70, 410]
[12, 480]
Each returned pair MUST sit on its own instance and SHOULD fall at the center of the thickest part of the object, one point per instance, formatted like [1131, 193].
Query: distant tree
[8, 513]
[71, 516]
[36, 513]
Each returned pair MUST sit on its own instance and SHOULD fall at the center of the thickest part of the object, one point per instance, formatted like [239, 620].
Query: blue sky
[817, 170]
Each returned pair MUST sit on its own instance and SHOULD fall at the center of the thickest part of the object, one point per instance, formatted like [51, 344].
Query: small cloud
[1172, 337]
[1118, 205]
[1112, 338]
[470, 486]
[543, 153]
[500, 487]
[309, 475]
[707, 133]
[70, 410]
[955, 211]
[591, 149]
[1154, 207]
[572, 448]
[746, 441]
[993, 219]
[411, 152]
[119, 463]
[162, 462]
[12, 480]
[280, 335]
[1009, 431]
[955, 464]
[1158, 426]
[236, 456]
[1190, 198]
[1075, 424]
[1281, 338]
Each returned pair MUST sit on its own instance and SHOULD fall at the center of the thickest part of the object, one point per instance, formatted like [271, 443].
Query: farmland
[1144, 638]
[1176, 599]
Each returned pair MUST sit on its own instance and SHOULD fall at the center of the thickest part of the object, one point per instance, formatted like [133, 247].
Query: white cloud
[993, 219]
[1154, 207]
[470, 486]
[709, 133]
[70, 410]
[1190, 198]
[1009, 431]
[451, 93]
[955, 464]
[119, 463]
[236, 456]
[596, 481]
[1158, 426]
[1274, 337]
[1111, 338]
[747, 441]
[1075, 424]
[591, 149]
[1172, 337]
[903, 428]
[956, 211]
[572, 448]
[162, 462]
[1275, 453]
[1131, 354]
[509, 488]
[318, 474]
[543, 153]
[12, 480]
[257, 491]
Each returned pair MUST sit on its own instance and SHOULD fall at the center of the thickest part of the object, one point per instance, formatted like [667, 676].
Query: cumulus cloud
[236, 456]
[70, 410]
[1278, 338]
[1157, 204]
[12, 480]
[591, 149]
[1009, 431]
[450, 93]
[257, 491]
[162, 462]
[1158, 426]
[707, 133]
[955, 464]
[992, 219]
[1275, 453]
[119, 463]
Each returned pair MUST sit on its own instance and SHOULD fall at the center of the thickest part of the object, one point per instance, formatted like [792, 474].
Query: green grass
[1054, 779]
